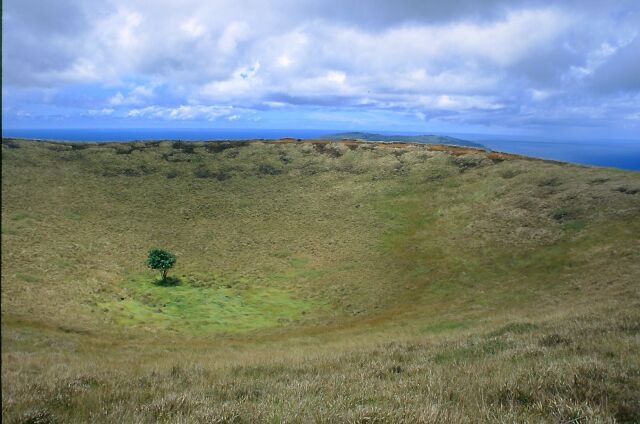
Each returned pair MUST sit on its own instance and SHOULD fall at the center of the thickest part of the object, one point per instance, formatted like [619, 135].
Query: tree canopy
[161, 260]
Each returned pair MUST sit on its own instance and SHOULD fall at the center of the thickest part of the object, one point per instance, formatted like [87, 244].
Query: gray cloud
[621, 73]
[40, 37]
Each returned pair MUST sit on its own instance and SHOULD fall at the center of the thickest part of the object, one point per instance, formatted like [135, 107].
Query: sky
[569, 69]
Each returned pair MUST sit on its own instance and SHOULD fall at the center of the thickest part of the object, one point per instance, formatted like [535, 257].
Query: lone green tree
[161, 260]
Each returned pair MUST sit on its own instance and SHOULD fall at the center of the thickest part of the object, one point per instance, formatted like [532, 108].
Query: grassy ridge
[355, 281]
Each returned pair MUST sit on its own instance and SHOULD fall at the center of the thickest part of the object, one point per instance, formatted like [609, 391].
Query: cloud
[478, 63]
[193, 27]
[619, 70]
[186, 112]
[100, 112]
[117, 99]
[138, 94]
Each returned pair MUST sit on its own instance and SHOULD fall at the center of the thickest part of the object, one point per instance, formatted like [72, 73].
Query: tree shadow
[168, 282]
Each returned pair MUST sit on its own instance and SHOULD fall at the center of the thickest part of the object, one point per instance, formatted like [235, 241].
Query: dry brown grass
[443, 285]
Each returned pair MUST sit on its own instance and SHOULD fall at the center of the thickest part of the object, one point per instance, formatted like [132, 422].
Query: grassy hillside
[316, 281]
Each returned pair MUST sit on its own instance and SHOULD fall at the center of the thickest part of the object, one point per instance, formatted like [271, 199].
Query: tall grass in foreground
[581, 368]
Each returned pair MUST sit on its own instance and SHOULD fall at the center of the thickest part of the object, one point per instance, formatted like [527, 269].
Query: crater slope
[403, 270]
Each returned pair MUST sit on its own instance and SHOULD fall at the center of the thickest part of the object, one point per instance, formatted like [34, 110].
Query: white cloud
[117, 99]
[445, 57]
[184, 112]
[336, 77]
[100, 112]
[138, 94]
[284, 60]
[143, 90]
[273, 104]
[193, 28]
[457, 103]
[542, 95]
[241, 82]
[233, 34]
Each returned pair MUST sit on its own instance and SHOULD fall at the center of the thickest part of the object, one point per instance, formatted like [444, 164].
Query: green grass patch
[419, 270]
[205, 304]
[19, 216]
[298, 263]
[61, 263]
[29, 278]
[9, 231]
[444, 326]
[574, 225]
[73, 216]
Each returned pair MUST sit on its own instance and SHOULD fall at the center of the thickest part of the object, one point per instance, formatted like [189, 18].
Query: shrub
[161, 260]
[202, 172]
[268, 169]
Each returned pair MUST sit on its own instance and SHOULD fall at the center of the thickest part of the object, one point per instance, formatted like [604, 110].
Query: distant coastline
[428, 139]
[606, 153]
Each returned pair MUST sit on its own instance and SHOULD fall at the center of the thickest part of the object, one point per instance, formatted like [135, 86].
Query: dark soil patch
[627, 190]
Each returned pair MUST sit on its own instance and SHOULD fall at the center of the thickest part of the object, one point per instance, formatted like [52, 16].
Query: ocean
[624, 154]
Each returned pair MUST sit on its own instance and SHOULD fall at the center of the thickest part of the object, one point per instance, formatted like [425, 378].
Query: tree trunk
[164, 274]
